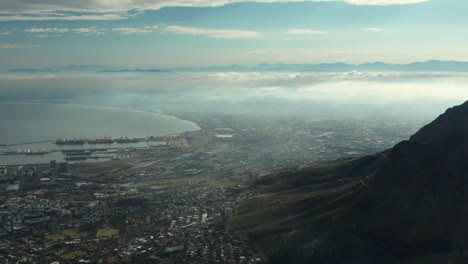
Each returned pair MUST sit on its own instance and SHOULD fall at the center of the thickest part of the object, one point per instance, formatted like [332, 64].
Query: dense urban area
[170, 203]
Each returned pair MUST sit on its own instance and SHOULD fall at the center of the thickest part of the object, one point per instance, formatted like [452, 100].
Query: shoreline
[190, 127]
[195, 126]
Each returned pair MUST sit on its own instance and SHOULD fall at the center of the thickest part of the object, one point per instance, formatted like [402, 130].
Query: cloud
[89, 31]
[373, 29]
[114, 9]
[85, 31]
[15, 46]
[47, 30]
[298, 92]
[127, 31]
[306, 31]
[57, 16]
[212, 33]
[152, 27]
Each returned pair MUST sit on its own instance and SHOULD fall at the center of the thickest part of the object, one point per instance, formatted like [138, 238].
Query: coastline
[180, 126]
[194, 125]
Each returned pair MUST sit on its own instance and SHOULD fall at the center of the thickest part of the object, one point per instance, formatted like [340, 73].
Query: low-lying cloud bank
[240, 91]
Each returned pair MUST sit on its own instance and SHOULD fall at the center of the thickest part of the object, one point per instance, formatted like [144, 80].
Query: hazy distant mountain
[81, 68]
[131, 70]
[405, 205]
[432, 65]
[228, 68]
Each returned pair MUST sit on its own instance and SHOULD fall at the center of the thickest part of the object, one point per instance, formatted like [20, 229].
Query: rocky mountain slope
[408, 204]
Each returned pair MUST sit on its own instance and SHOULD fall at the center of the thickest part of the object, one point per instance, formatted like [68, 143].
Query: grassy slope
[292, 209]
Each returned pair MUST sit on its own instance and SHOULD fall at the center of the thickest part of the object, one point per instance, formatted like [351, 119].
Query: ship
[69, 141]
[127, 140]
[27, 152]
[36, 152]
[106, 140]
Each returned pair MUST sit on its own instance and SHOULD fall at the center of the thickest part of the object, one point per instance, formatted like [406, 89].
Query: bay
[40, 124]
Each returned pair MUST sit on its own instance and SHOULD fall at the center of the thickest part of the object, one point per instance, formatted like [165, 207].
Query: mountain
[80, 68]
[429, 66]
[213, 68]
[132, 70]
[408, 204]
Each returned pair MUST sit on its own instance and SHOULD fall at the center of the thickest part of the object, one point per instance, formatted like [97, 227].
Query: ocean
[36, 126]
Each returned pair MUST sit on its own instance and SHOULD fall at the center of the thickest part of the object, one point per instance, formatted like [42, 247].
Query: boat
[69, 141]
[27, 152]
[127, 140]
[106, 140]
[36, 152]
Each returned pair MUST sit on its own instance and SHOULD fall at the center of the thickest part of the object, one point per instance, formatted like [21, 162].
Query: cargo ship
[127, 140]
[36, 152]
[106, 140]
[27, 152]
[70, 141]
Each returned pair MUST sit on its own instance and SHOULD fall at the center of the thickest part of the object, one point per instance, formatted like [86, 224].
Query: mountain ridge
[426, 66]
[402, 205]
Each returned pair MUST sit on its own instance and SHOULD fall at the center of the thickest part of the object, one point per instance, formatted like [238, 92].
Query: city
[172, 203]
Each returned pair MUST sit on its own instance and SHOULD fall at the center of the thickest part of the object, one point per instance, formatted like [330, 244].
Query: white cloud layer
[152, 27]
[128, 30]
[274, 91]
[47, 30]
[89, 31]
[109, 9]
[305, 31]
[212, 33]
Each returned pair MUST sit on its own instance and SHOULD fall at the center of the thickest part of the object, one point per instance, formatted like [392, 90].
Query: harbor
[78, 149]
[39, 132]
[108, 140]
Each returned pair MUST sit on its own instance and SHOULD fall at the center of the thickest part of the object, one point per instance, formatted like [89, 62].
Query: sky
[170, 33]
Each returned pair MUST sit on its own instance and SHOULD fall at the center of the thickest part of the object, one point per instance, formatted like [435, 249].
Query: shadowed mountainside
[408, 204]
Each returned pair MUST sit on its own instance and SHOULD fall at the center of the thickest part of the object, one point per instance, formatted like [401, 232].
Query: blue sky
[161, 33]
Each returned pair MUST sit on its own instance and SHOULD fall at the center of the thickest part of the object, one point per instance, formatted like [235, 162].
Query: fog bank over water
[409, 94]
